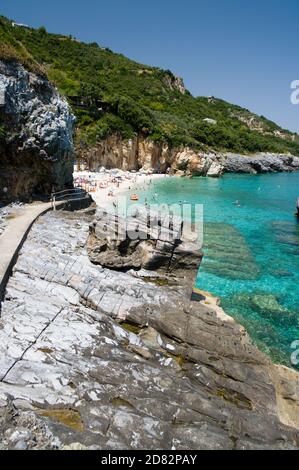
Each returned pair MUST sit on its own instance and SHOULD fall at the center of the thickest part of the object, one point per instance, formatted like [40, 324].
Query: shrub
[3, 133]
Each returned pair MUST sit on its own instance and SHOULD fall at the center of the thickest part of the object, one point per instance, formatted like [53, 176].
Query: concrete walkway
[13, 237]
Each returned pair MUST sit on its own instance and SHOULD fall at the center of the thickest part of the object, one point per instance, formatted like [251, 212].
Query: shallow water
[251, 250]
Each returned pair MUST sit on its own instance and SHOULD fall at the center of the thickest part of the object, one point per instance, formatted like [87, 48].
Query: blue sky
[244, 51]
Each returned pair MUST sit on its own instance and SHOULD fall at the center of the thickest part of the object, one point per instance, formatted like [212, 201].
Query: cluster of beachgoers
[105, 185]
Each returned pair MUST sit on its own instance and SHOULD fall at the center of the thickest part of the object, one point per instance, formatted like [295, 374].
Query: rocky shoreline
[107, 358]
[158, 157]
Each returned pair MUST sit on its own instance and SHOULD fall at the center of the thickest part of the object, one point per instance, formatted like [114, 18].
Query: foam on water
[251, 244]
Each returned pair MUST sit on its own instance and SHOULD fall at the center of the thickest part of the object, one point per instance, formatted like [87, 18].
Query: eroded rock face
[147, 240]
[175, 83]
[137, 153]
[133, 154]
[94, 358]
[36, 155]
[215, 170]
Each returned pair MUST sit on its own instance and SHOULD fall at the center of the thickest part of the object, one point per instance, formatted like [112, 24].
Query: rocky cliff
[137, 153]
[36, 148]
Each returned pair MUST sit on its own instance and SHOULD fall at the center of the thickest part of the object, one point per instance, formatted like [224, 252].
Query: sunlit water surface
[251, 250]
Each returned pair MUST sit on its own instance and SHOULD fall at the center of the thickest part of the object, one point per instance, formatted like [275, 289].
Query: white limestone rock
[40, 140]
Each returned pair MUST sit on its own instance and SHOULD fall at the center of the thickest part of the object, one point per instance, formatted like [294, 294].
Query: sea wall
[137, 153]
[36, 147]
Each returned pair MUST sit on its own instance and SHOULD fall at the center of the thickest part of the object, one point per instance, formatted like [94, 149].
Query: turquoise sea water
[251, 250]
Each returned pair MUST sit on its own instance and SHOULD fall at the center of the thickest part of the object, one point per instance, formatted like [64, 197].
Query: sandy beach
[114, 187]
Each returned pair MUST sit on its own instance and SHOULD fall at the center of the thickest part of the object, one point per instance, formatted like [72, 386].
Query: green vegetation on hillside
[110, 93]
[2, 132]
